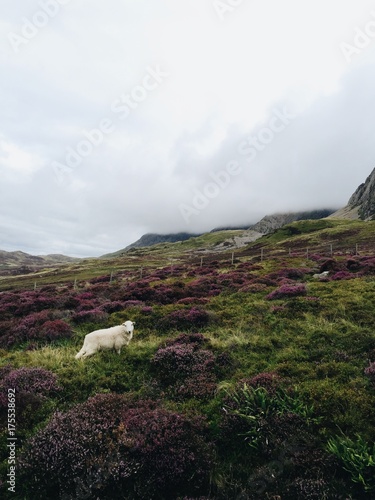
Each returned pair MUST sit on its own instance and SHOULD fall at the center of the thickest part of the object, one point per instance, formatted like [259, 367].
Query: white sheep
[109, 338]
[324, 274]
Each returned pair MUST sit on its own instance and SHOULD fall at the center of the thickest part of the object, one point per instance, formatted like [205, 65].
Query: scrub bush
[183, 369]
[112, 447]
[33, 387]
[185, 319]
[286, 291]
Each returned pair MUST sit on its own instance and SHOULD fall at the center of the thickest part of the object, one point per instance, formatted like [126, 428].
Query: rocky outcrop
[271, 223]
[363, 198]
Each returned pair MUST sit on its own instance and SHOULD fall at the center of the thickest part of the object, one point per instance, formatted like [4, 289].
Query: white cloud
[225, 77]
[16, 163]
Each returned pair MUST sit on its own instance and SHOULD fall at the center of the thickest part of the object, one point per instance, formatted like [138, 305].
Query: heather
[184, 369]
[248, 379]
[113, 447]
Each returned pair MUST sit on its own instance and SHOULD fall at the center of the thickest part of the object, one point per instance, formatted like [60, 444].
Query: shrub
[55, 330]
[113, 306]
[364, 265]
[112, 447]
[268, 380]
[33, 386]
[185, 319]
[82, 453]
[286, 291]
[147, 310]
[329, 265]
[91, 316]
[343, 275]
[182, 360]
[133, 303]
[29, 328]
[184, 369]
[357, 457]
[289, 273]
[38, 381]
[175, 457]
[33, 302]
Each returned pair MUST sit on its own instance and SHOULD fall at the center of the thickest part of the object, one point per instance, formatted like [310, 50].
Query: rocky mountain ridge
[364, 198]
[361, 204]
[267, 225]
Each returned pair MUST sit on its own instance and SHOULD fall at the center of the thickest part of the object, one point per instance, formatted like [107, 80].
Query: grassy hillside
[244, 380]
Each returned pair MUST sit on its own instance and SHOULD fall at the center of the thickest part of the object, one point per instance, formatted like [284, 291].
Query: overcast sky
[124, 117]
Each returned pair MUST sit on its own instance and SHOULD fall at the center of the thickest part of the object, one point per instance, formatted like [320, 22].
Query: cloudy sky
[124, 117]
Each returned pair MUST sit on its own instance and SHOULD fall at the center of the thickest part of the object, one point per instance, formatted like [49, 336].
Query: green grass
[320, 347]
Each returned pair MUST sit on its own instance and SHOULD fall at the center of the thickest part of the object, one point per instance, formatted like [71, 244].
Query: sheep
[324, 274]
[109, 338]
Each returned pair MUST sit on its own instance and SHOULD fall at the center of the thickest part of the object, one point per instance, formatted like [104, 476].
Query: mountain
[150, 239]
[14, 262]
[270, 223]
[361, 204]
[251, 233]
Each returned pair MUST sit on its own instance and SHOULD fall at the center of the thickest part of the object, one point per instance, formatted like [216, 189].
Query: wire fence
[200, 258]
[260, 253]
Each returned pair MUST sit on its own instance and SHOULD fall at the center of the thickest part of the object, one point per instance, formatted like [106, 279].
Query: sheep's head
[129, 326]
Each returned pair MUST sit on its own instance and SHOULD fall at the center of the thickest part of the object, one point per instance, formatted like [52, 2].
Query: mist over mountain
[361, 205]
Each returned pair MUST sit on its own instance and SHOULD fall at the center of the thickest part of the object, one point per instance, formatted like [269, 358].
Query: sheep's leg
[88, 353]
[80, 354]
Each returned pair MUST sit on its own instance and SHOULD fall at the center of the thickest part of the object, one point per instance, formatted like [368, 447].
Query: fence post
[111, 278]
[232, 258]
[201, 262]
[141, 272]
[34, 285]
[307, 253]
[331, 249]
[356, 248]
[75, 284]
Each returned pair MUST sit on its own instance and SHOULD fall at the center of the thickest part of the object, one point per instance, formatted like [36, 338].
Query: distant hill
[21, 262]
[361, 204]
[150, 239]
